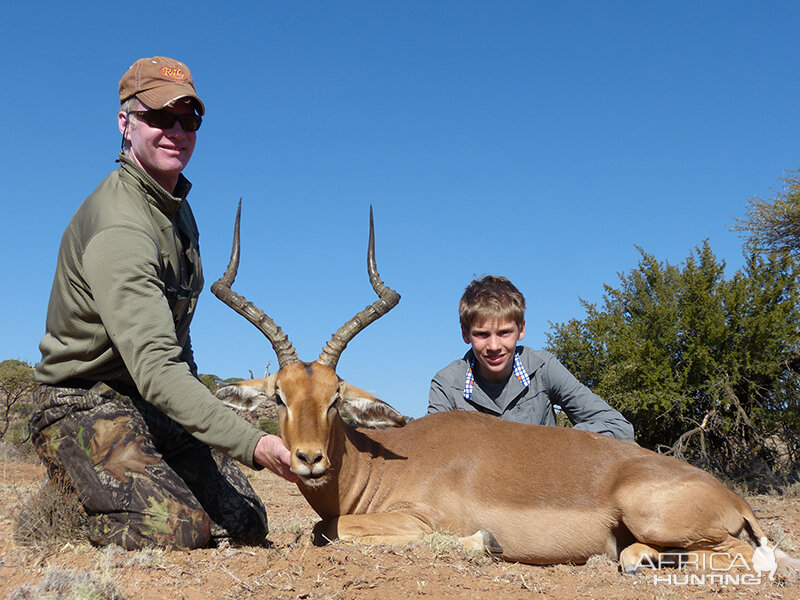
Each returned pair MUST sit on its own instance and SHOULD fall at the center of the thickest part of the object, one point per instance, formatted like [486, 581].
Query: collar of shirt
[519, 372]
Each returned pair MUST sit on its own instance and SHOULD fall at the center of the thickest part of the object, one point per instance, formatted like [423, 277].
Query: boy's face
[493, 343]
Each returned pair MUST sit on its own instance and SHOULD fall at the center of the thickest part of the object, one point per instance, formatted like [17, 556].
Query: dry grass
[445, 544]
[17, 452]
[51, 517]
[792, 491]
[296, 525]
[114, 557]
[69, 584]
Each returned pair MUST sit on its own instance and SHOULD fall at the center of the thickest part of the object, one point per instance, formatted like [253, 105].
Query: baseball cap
[158, 81]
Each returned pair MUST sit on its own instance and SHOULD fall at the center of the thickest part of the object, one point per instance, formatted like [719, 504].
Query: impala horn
[222, 290]
[387, 300]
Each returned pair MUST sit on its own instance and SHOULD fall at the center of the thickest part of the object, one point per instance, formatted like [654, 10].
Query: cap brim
[168, 94]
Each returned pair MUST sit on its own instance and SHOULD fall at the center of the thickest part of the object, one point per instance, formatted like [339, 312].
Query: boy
[513, 382]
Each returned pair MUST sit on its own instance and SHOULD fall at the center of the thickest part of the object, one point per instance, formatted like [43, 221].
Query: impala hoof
[323, 533]
[630, 570]
[490, 543]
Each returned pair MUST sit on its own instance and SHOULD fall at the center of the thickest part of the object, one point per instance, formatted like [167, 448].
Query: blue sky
[541, 141]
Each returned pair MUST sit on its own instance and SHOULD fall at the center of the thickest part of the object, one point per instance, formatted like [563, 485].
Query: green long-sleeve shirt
[124, 293]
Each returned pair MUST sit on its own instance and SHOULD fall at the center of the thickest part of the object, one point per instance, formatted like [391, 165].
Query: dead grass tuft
[601, 561]
[784, 541]
[445, 544]
[51, 517]
[17, 452]
[790, 576]
[114, 557]
[296, 525]
[69, 584]
[792, 491]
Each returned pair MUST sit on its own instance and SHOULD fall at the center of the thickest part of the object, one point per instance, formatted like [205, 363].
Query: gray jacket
[551, 385]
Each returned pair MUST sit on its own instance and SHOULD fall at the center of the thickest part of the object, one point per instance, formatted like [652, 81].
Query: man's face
[493, 343]
[162, 153]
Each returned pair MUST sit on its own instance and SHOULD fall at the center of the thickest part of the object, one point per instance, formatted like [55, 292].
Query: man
[498, 377]
[122, 414]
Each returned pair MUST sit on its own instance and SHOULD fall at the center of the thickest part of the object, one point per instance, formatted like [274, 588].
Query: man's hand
[273, 454]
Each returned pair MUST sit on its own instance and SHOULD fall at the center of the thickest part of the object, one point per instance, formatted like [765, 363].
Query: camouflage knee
[99, 440]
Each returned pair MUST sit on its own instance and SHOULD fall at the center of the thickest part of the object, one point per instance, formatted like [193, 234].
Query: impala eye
[279, 400]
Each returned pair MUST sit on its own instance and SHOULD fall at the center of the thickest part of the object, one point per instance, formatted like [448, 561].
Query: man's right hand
[273, 454]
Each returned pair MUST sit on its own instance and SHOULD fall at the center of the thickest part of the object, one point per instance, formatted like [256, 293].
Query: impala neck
[351, 464]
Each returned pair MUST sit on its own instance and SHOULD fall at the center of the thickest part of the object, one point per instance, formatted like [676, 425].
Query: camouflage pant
[142, 478]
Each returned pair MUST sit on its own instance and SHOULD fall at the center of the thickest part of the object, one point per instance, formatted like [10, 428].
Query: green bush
[19, 437]
[16, 387]
[706, 367]
[268, 426]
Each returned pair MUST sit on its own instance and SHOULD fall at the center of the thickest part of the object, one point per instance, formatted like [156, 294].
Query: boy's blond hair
[491, 298]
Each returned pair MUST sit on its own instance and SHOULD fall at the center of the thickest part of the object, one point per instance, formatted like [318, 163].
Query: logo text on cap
[175, 73]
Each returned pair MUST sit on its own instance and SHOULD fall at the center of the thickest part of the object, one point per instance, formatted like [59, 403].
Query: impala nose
[310, 458]
[311, 464]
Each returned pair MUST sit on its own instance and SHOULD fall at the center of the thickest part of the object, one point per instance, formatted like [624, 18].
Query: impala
[525, 493]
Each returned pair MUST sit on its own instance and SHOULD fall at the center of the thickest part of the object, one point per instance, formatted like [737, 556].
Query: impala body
[525, 493]
[529, 493]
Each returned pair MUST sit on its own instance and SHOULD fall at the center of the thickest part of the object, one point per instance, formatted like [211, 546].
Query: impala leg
[729, 553]
[787, 566]
[483, 541]
[735, 554]
[638, 555]
[374, 528]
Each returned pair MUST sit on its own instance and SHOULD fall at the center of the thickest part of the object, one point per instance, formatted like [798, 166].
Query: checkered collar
[519, 372]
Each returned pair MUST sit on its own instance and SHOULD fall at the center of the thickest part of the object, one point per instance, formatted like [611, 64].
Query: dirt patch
[292, 568]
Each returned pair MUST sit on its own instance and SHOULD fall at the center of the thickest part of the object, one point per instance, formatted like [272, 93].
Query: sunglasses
[165, 119]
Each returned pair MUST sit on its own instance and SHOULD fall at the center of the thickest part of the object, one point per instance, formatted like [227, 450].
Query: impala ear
[250, 394]
[367, 409]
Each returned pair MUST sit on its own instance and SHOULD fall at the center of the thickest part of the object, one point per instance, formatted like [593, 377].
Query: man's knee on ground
[172, 527]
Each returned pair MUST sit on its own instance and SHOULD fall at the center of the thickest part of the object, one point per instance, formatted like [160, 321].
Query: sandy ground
[292, 568]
